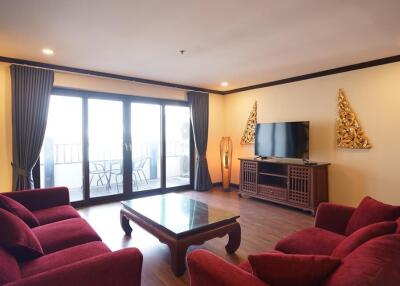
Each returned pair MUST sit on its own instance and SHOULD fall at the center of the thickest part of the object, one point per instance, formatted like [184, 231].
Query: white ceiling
[241, 42]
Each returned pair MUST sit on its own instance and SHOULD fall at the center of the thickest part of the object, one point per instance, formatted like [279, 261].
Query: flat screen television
[282, 140]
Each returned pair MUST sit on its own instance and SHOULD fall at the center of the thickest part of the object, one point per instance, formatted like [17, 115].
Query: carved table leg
[125, 224]
[234, 239]
[178, 258]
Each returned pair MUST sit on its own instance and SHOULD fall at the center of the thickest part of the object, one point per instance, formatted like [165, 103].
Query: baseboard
[219, 184]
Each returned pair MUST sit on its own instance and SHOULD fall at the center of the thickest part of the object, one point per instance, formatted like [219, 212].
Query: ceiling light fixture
[224, 83]
[48, 52]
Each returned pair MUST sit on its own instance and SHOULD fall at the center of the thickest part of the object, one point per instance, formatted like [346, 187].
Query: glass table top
[177, 212]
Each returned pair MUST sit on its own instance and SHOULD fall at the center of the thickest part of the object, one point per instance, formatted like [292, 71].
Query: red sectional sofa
[362, 244]
[44, 241]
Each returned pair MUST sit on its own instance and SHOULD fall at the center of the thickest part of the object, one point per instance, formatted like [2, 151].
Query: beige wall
[374, 94]
[104, 85]
[5, 129]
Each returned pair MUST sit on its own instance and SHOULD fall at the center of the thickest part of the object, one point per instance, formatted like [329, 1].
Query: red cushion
[293, 269]
[361, 236]
[19, 210]
[9, 270]
[376, 262]
[49, 215]
[371, 211]
[311, 240]
[63, 234]
[17, 237]
[246, 266]
[63, 257]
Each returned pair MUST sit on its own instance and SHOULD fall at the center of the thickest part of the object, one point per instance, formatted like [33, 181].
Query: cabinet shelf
[273, 174]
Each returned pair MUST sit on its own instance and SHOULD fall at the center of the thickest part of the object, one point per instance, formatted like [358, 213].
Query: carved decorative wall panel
[249, 134]
[349, 133]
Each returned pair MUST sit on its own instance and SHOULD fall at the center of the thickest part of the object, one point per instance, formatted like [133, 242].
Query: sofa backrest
[9, 268]
[376, 262]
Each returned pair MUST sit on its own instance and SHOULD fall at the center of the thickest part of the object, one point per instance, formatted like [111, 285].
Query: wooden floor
[263, 224]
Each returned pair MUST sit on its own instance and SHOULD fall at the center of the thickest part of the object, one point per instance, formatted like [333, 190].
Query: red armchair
[71, 251]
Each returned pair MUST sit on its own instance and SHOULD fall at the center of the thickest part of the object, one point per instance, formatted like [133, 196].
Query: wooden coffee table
[180, 222]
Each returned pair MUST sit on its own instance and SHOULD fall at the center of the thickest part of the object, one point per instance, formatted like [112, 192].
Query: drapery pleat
[31, 88]
[198, 103]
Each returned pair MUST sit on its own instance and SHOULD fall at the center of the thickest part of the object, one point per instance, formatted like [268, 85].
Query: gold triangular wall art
[249, 133]
[349, 133]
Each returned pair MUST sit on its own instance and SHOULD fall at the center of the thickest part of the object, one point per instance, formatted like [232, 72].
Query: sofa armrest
[206, 269]
[333, 217]
[41, 198]
[122, 267]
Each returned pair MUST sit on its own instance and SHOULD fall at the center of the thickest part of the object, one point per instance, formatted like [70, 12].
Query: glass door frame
[127, 141]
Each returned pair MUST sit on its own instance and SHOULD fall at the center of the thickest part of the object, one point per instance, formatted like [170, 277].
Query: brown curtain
[31, 88]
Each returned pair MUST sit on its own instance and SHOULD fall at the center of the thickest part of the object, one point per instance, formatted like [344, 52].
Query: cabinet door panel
[299, 185]
[248, 180]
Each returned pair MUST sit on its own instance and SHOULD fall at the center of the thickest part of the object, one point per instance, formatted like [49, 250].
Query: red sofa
[48, 243]
[365, 240]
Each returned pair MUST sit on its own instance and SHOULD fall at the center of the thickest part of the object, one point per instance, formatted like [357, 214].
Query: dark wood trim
[136, 194]
[113, 96]
[348, 68]
[232, 185]
[105, 74]
[85, 149]
[363, 65]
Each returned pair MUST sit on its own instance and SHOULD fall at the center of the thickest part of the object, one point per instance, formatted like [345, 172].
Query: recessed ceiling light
[48, 52]
[224, 83]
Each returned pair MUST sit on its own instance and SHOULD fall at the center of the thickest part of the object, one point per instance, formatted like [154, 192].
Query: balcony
[62, 165]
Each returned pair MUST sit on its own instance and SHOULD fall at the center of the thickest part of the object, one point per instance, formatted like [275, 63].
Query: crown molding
[106, 75]
[328, 72]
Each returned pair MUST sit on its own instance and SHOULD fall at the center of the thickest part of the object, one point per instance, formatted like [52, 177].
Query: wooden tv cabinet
[285, 182]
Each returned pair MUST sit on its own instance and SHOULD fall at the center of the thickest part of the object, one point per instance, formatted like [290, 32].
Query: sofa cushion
[371, 211]
[361, 236]
[19, 210]
[311, 240]
[376, 262]
[18, 238]
[63, 234]
[9, 270]
[49, 215]
[293, 269]
[63, 257]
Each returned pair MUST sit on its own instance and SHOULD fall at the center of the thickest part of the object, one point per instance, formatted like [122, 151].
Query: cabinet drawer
[272, 192]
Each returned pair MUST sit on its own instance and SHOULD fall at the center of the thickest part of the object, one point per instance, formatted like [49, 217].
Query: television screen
[283, 139]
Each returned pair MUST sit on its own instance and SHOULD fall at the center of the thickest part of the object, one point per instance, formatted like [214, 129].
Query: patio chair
[116, 169]
[98, 169]
[137, 168]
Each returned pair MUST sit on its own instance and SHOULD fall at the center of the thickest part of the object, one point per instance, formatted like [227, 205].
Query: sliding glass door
[61, 155]
[177, 139]
[105, 147]
[112, 146]
[146, 146]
